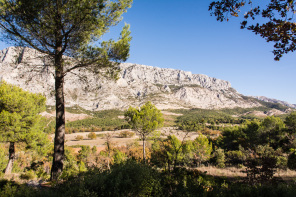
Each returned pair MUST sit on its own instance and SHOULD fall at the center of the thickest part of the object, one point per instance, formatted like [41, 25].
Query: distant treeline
[99, 121]
[199, 119]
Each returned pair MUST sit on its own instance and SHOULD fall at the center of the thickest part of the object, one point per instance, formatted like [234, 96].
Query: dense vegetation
[169, 166]
[104, 120]
[135, 179]
[200, 119]
[258, 147]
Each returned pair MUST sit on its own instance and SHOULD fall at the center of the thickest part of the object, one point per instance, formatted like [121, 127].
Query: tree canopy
[144, 120]
[72, 25]
[277, 23]
[19, 118]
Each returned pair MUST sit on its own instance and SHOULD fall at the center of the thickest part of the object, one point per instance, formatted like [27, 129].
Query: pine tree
[19, 119]
[144, 121]
[70, 28]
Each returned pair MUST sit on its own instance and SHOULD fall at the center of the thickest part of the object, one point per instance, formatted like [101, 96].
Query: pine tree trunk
[11, 158]
[58, 157]
[144, 153]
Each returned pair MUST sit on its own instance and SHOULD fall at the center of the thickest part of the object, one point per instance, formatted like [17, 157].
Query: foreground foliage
[135, 179]
[20, 121]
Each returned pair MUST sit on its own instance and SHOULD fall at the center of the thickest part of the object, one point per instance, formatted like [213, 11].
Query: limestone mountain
[166, 88]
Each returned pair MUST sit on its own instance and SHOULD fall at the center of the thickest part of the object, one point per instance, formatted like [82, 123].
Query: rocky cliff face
[166, 88]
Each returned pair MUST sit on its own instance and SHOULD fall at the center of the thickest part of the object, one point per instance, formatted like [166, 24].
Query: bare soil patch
[69, 116]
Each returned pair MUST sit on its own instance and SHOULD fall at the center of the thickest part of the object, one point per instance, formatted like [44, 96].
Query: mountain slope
[166, 88]
[271, 100]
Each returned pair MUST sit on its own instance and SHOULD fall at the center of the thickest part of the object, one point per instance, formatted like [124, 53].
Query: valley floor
[118, 141]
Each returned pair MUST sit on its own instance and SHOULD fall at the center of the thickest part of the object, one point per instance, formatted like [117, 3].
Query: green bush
[126, 134]
[282, 162]
[220, 158]
[236, 157]
[79, 137]
[92, 135]
[83, 153]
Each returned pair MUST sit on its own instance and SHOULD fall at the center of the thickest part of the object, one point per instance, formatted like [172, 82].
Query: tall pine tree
[59, 28]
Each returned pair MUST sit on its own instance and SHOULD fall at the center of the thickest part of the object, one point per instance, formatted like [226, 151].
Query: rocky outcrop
[271, 100]
[166, 88]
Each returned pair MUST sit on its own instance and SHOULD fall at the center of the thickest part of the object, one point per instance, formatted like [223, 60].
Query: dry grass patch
[232, 172]
[286, 174]
[226, 172]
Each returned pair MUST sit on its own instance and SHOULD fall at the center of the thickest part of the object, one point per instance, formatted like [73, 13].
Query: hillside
[166, 88]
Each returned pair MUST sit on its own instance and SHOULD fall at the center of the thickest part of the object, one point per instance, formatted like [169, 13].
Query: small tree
[171, 151]
[261, 164]
[19, 119]
[144, 121]
[202, 149]
[271, 131]
[220, 158]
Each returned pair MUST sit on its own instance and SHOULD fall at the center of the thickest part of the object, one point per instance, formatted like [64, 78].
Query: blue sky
[182, 35]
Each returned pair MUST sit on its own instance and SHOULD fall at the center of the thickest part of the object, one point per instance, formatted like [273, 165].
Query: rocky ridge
[271, 100]
[166, 88]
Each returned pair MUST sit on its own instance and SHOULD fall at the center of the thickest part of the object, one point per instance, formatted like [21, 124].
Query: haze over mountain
[166, 88]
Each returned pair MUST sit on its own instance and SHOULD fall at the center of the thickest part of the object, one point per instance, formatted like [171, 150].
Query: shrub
[79, 137]
[119, 157]
[261, 165]
[126, 134]
[92, 135]
[29, 175]
[235, 157]
[84, 153]
[281, 162]
[220, 158]
[125, 179]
